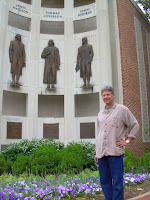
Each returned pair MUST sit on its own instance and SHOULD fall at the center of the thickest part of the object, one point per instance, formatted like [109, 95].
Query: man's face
[108, 98]
[50, 43]
[18, 37]
[84, 41]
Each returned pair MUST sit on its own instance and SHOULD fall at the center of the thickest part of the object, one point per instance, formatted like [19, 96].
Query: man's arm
[45, 53]
[57, 59]
[91, 54]
[10, 52]
[24, 56]
[78, 61]
[133, 126]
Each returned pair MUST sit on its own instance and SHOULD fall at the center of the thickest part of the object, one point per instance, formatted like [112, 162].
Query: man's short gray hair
[107, 88]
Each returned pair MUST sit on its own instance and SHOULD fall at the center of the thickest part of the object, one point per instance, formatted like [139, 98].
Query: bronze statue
[52, 63]
[17, 59]
[84, 59]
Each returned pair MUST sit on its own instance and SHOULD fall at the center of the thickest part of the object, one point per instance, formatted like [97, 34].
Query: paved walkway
[145, 196]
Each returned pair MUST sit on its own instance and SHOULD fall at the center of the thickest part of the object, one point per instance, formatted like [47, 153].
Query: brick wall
[129, 65]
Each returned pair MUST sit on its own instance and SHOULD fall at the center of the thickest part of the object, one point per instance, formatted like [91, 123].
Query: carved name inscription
[84, 12]
[20, 8]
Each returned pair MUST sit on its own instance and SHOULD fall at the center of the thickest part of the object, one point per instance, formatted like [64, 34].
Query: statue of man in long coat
[17, 59]
[84, 59]
[52, 63]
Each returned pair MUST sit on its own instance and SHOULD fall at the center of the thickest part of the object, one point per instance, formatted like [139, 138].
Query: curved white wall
[68, 81]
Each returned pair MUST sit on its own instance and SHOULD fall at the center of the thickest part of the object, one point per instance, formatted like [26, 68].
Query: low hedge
[49, 157]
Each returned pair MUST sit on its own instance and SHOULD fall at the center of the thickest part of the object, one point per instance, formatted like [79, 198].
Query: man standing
[52, 63]
[84, 59]
[17, 59]
[112, 124]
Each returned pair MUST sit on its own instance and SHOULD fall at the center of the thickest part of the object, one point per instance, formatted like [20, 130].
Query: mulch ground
[129, 192]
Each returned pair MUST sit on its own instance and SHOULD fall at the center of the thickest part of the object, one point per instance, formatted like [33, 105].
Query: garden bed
[66, 187]
[129, 191]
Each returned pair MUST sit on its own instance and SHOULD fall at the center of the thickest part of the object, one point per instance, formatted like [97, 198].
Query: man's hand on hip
[121, 143]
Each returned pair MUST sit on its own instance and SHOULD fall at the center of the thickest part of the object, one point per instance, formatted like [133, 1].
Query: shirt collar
[113, 107]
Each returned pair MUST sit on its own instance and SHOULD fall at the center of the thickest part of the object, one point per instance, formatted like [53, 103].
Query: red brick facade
[129, 65]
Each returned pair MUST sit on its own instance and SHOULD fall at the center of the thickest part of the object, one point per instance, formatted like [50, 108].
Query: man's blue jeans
[111, 177]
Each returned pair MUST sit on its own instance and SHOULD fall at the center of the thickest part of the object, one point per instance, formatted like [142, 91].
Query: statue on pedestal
[52, 64]
[17, 59]
[84, 59]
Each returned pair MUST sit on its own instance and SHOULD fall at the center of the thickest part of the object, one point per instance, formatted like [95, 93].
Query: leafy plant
[72, 158]
[27, 147]
[130, 162]
[88, 155]
[21, 165]
[148, 149]
[145, 161]
[5, 166]
[43, 157]
[45, 160]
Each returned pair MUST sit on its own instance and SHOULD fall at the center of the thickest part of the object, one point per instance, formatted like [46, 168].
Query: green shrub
[148, 149]
[145, 161]
[27, 147]
[72, 158]
[21, 165]
[45, 160]
[5, 166]
[12, 151]
[88, 156]
[130, 162]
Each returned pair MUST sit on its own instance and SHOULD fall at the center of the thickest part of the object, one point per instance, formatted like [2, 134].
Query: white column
[103, 42]
[4, 10]
[115, 51]
[32, 103]
[69, 73]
